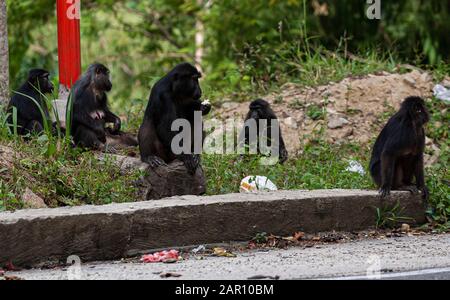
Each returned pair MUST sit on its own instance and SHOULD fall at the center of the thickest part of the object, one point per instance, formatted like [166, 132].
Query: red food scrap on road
[162, 256]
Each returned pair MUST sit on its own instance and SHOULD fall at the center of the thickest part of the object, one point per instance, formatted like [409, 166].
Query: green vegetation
[390, 217]
[59, 173]
[249, 45]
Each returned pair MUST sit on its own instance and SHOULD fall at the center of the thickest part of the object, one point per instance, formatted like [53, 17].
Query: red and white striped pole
[69, 54]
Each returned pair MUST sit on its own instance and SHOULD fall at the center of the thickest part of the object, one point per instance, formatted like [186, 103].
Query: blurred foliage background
[248, 44]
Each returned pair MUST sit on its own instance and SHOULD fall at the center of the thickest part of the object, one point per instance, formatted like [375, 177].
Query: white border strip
[394, 275]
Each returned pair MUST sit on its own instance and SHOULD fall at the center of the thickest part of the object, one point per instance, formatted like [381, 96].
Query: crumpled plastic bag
[199, 249]
[254, 184]
[442, 93]
[163, 256]
[355, 167]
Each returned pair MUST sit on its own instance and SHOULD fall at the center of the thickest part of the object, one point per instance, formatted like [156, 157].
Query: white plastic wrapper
[254, 184]
[442, 93]
[199, 249]
[355, 167]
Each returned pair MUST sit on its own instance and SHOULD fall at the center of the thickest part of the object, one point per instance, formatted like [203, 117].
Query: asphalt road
[415, 257]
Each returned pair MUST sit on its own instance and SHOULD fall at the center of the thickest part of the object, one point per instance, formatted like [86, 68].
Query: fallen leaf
[299, 235]
[222, 252]
[12, 278]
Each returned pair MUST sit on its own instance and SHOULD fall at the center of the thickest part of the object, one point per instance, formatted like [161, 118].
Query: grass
[320, 166]
[390, 217]
[52, 168]
[307, 68]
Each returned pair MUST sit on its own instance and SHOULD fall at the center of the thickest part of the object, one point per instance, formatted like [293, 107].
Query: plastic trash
[254, 184]
[163, 256]
[442, 93]
[355, 167]
[199, 249]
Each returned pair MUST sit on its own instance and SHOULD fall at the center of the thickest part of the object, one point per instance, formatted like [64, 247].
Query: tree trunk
[200, 35]
[4, 55]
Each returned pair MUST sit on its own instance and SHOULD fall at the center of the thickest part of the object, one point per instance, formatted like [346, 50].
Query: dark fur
[397, 156]
[261, 110]
[177, 95]
[90, 99]
[29, 117]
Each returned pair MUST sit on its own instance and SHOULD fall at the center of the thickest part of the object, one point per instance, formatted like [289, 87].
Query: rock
[290, 86]
[230, 105]
[331, 111]
[406, 228]
[162, 182]
[172, 180]
[337, 122]
[291, 123]
[426, 77]
[410, 81]
[33, 201]
[446, 82]
[125, 163]
[430, 160]
[436, 149]
[428, 141]
[346, 133]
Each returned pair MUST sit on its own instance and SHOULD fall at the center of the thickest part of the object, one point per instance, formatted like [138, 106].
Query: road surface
[415, 257]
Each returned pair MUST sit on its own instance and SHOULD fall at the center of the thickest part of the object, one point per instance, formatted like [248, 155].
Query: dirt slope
[352, 110]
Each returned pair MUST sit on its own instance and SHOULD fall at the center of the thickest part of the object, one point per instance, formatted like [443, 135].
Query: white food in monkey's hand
[206, 102]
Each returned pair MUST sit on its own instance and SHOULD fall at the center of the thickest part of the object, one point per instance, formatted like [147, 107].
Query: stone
[165, 181]
[291, 123]
[115, 231]
[172, 180]
[410, 81]
[230, 105]
[33, 201]
[336, 121]
[406, 228]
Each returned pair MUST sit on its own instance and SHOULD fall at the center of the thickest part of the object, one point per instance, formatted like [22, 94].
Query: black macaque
[90, 112]
[261, 110]
[176, 96]
[29, 117]
[397, 156]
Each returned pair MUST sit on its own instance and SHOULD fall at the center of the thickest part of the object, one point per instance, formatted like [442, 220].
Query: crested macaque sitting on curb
[397, 156]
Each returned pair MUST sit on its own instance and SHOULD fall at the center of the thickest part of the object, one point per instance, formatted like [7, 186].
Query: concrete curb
[34, 237]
